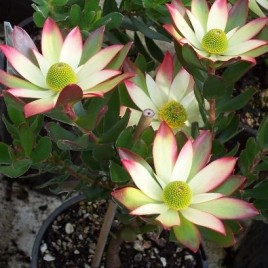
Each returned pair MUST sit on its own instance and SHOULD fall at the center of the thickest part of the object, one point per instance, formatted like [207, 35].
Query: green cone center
[215, 41]
[60, 75]
[177, 195]
[173, 113]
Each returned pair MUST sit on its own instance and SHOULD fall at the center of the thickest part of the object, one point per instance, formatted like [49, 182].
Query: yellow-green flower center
[60, 75]
[177, 195]
[215, 41]
[173, 113]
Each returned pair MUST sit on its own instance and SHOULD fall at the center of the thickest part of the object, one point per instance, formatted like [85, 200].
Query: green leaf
[10, 100]
[248, 155]
[75, 14]
[124, 140]
[26, 138]
[95, 109]
[37, 123]
[220, 239]
[262, 134]
[56, 132]
[80, 143]
[263, 165]
[236, 70]
[94, 193]
[111, 21]
[181, 139]
[148, 32]
[42, 150]
[140, 47]
[259, 192]
[59, 2]
[148, 136]
[109, 6]
[13, 131]
[222, 121]
[141, 62]
[231, 130]
[89, 160]
[154, 49]
[190, 56]
[140, 148]
[112, 134]
[261, 204]
[230, 185]
[190, 61]
[4, 154]
[92, 5]
[16, 116]
[112, 115]
[118, 174]
[17, 169]
[128, 234]
[237, 102]
[39, 19]
[214, 87]
[59, 115]
[103, 152]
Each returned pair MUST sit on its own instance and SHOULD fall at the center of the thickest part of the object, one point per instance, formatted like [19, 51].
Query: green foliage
[69, 13]
[28, 146]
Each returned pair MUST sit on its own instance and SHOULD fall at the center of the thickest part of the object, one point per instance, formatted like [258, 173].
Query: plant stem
[212, 103]
[212, 112]
[68, 108]
[144, 122]
[105, 229]
[112, 257]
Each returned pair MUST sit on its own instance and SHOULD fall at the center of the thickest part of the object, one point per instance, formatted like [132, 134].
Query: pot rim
[52, 216]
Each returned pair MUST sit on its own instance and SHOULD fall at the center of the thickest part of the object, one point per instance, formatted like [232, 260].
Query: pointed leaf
[237, 102]
[26, 138]
[118, 174]
[4, 154]
[223, 240]
[214, 87]
[262, 134]
[42, 150]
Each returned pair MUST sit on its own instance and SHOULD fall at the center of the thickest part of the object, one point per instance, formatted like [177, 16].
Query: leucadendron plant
[159, 144]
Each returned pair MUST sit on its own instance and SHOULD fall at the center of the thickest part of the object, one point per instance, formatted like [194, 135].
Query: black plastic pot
[201, 260]
[36, 247]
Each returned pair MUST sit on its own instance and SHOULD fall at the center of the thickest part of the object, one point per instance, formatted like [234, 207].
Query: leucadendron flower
[170, 96]
[257, 6]
[184, 190]
[218, 33]
[65, 72]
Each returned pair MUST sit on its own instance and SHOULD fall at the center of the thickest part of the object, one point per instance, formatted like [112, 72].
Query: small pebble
[48, 257]
[164, 261]
[138, 257]
[86, 230]
[69, 228]
[138, 245]
[43, 247]
[76, 252]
